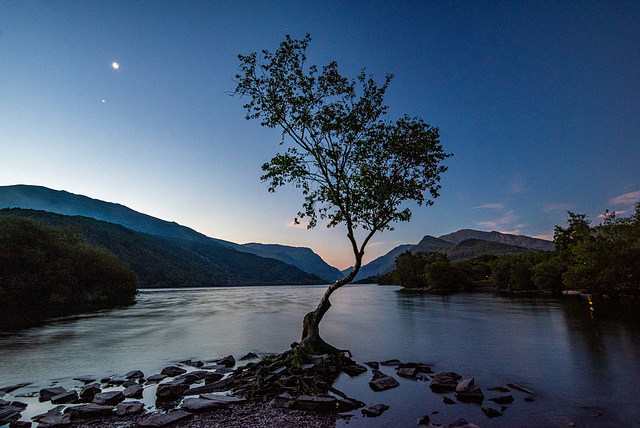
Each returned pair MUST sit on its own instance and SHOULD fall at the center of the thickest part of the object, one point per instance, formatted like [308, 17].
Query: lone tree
[352, 165]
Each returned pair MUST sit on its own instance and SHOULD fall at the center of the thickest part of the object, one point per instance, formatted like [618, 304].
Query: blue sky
[539, 102]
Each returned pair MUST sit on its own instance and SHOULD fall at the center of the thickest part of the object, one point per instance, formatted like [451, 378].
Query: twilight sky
[539, 103]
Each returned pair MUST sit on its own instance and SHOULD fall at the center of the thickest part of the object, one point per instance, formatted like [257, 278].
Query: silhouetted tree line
[601, 259]
[46, 272]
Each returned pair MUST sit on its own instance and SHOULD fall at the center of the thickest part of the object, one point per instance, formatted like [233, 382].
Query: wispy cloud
[626, 199]
[556, 207]
[491, 206]
[610, 213]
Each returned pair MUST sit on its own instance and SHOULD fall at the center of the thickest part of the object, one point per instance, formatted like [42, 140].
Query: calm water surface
[578, 362]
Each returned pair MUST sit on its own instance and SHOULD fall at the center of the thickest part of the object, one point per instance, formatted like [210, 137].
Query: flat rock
[156, 378]
[320, 404]
[164, 419]
[191, 363]
[249, 356]
[9, 414]
[349, 404]
[520, 388]
[382, 382]
[127, 408]
[420, 367]
[172, 371]
[491, 412]
[4, 402]
[445, 381]
[394, 362]
[212, 377]
[226, 399]
[475, 395]
[505, 399]
[498, 389]
[171, 390]
[465, 385]
[117, 381]
[56, 411]
[54, 421]
[88, 411]
[135, 374]
[47, 393]
[89, 391]
[134, 391]
[227, 361]
[201, 405]
[19, 404]
[373, 364]
[65, 398]
[374, 410]
[130, 382]
[354, 369]
[221, 385]
[409, 372]
[20, 424]
[110, 398]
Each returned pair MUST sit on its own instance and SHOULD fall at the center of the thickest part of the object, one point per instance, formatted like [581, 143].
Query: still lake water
[578, 363]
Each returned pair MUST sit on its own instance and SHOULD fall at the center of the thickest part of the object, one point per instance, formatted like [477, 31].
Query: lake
[581, 360]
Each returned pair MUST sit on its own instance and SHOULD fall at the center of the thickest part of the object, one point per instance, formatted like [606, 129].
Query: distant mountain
[160, 261]
[61, 202]
[505, 238]
[471, 248]
[301, 257]
[461, 245]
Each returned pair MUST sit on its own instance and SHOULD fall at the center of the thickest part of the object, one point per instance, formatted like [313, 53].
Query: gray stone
[226, 399]
[354, 369]
[249, 356]
[127, 408]
[156, 378]
[227, 361]
[201, 405]
[55, 421]
[491, 412]
[320, 404]
[475, 395]
[171, 390]
[382, 382]
[117, 381]
[65, 398]
[172, 371]
[11, 388]
[134, 391]
[374, 410]
[409, 372]
[88, 411]
[505, 399]
[110, 398]
[89, 391]
[465, 385]
[164, 419]
[47, 393]
[19, 404]
[56, 411]
[9, 414]
[221, 385]
[212, 377]
[445, 381]
[130, 382]
[394, 362]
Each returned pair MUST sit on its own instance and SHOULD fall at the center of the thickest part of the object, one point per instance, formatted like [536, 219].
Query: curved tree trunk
[311, 323]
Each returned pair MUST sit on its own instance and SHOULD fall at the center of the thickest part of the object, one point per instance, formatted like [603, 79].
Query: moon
[115, 65]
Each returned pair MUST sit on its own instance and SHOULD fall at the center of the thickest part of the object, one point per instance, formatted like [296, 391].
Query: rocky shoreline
[292, 389]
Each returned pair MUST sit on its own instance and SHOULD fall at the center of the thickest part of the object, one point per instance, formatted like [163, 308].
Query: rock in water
[172, 371]
[249, 356]
[110, 398]
[490, 412]
[373, 364]
[171, 390]
[520, 388]
[134, 391]
[164, 419]
[425, 420]
[9, 414]
[308, 402]
[227, 361]
[505, 399]
[374, 410]
[354, 369]
[89, 391]
[447, 400]
[88, 411]
[201, 405]
[445, 381]
[136, 374]
[465, 385]
[47, 393]
[394, 362]
[156, 378]
[474, 395]
[65, 398]
[127, 408]
[382, 382]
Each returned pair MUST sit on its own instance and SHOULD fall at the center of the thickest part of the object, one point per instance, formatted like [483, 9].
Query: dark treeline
[602, 259]
[47, 272]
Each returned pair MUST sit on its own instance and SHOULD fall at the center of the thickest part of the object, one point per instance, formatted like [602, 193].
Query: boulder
[447, 400]
[110, 398]
[283, 400]
[47, 393]
[474, 395]
[156, 378]
[117, 381]
[373, 364]
[374, 410]
[89, 391]
[249, 356]
[201, 405]
[320, 404]
[221, 385]
[88, 411]
[227, 361]
[164, 419]
[171, 390]
[491, 412]
[135, 374]
[465, 385]
[445, 381]
[134, 391]
[354, 369]
[127, 408]
[65, 398]
[172, 371]
[130, 382]
[505, 399]
[382, 382]
[224, 399]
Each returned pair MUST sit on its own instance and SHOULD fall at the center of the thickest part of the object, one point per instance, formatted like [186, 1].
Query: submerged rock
[498, 389]
[394, 362]
[520, 388]
[11, 388]
[354, 369]
[374, 410]
[447, 400]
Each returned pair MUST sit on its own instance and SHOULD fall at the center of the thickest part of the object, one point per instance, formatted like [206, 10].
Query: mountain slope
[382, 264]
[173, 262]
[61, 202]
[505, 238]
[470, 248]
[430, 244]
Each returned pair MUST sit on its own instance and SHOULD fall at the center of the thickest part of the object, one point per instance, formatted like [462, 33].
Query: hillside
[382, 264]
[61, 202]
[505, 238]
[471, 248]
[430, 244]
[172, 262]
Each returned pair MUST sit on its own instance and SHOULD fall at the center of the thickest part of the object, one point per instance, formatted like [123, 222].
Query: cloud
[626, 199]
[555, 207]
[491, 206]
[610, 213]
[499, 223]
